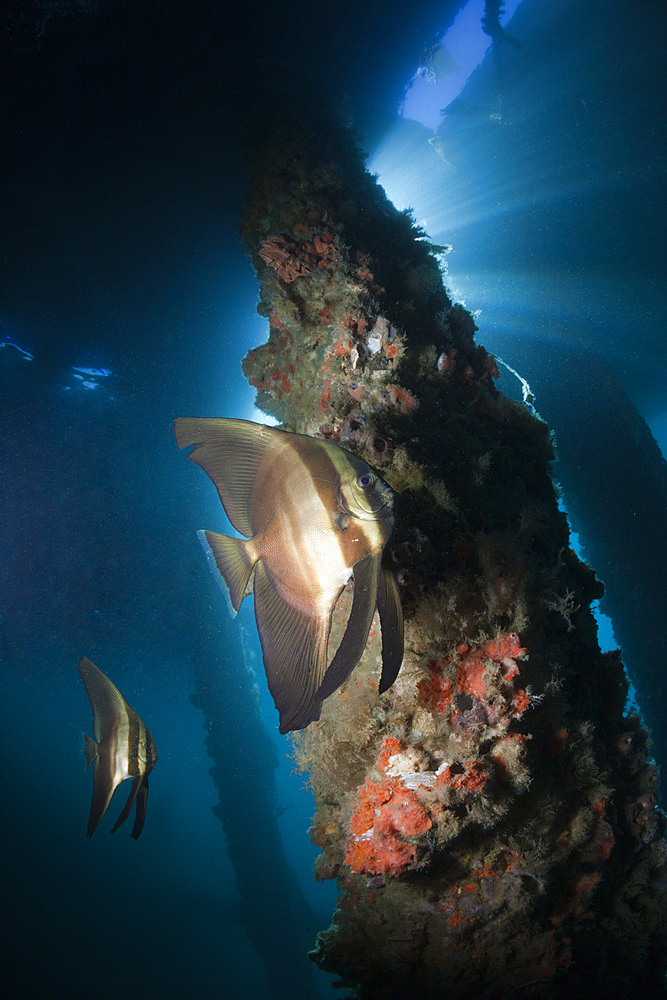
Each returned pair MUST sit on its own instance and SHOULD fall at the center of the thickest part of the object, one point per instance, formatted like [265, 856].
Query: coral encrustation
[297, 258]
[400, 818]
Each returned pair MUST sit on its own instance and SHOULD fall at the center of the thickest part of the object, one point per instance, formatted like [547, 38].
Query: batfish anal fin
[231, 560]
[294, 645]
[230, 453]
[103, 789]
[142, 799]
[134, 790]
[366, 580]
[90, 750]
[391, 625]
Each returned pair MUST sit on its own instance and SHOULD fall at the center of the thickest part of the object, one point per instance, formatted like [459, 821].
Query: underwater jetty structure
[243, 771]
[614, 481]
[492, 819]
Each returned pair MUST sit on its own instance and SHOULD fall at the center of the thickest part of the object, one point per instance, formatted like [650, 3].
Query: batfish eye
[366, 480]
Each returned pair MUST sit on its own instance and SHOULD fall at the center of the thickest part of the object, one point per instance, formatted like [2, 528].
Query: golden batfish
[123, 748]
[313, 516]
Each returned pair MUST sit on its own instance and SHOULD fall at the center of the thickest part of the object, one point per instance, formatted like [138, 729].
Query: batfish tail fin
[294, 645]
[90, 750]
[231, 560]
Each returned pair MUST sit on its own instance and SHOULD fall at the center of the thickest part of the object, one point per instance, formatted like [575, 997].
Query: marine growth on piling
[491, 819]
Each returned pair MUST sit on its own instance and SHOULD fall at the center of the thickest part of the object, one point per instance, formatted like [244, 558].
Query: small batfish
[313, 516]
[122, 748]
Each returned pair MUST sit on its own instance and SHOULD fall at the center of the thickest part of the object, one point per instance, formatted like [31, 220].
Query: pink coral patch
[435, 691]
[470, 677]
[386, 812]
[297, 258]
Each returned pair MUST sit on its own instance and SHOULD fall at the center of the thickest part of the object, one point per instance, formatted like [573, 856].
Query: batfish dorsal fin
[352, 645]
[106, 700]
[294, 645]
[391, 625]
[231, 562]
[221, 445]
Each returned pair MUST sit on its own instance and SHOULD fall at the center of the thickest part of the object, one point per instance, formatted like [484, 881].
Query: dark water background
[121, 194]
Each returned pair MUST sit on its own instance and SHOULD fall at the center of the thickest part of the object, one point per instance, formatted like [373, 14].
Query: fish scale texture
[492, 818]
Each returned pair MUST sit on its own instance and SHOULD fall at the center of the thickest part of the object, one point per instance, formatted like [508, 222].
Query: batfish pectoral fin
[231, 560]
[134, 791]
[391, 624]
[294, 645]
[366, 579]
[90, 750]
[142, 799]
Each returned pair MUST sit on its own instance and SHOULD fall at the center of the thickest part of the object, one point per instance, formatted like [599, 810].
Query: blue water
[122, 191]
